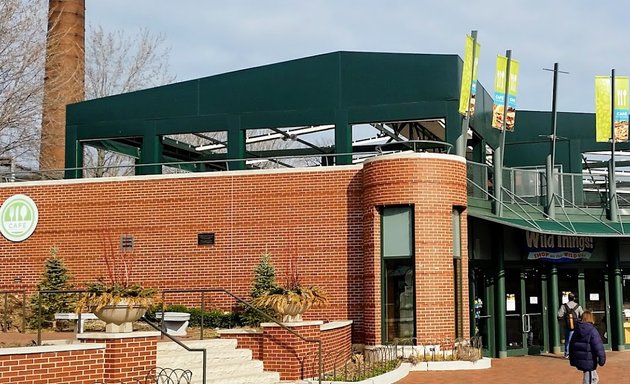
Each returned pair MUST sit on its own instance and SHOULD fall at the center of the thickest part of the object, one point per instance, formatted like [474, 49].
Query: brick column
[289, 355]
[128, 356]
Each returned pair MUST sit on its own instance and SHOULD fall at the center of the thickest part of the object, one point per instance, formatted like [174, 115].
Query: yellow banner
[500, 94]
[602, 108]
[469, 78]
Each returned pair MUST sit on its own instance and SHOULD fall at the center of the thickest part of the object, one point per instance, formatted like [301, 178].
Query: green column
[236, 145]
[151, 152]
[74, 154]
[500, 312]
[545, 314]
[554, 330]
[616, 315]
[343, 138]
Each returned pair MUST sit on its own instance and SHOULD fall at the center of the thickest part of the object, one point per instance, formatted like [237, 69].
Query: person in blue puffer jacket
[586, 350]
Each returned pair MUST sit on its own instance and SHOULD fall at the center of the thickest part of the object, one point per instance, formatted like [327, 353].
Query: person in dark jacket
[586, 351]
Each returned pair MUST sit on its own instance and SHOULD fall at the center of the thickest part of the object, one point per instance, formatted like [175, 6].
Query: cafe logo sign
[558, 248]
[18, 218]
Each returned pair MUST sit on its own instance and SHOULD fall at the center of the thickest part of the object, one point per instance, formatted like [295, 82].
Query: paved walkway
[528, 370]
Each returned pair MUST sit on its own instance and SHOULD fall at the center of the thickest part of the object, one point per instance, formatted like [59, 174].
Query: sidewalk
[528, 370]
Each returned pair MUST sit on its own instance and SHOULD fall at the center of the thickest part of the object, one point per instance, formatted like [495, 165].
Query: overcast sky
[209, 37]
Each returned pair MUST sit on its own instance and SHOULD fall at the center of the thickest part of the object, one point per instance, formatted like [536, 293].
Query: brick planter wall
[56, 364]
[287, 354]
[128, 356]
[246, 339]
[294, 358]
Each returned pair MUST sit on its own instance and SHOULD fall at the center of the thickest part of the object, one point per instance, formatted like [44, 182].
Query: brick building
[403, 235]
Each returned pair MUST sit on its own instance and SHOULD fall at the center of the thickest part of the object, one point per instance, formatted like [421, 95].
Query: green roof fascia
[593, 228]
[311, 89]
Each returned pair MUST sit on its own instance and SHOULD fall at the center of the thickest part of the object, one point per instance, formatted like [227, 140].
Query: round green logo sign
[18, 218]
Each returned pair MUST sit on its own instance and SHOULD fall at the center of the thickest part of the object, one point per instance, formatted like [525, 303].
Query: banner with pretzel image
[499, 94]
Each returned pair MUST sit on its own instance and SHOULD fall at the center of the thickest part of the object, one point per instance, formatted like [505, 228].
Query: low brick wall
[292, 357]
[53, 364]
[251, 339]
[128, 356]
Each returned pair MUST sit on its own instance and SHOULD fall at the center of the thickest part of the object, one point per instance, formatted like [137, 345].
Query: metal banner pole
[612, 187]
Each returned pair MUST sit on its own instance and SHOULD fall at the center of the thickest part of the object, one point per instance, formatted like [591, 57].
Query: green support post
[554, 330]
[545, 314]
[501, 330]
[74, 154]
[497, 207]
[236, 146]
[616, 316]
[343, 138]
[150, 153]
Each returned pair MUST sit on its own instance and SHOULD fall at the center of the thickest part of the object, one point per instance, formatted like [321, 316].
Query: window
[398, 285]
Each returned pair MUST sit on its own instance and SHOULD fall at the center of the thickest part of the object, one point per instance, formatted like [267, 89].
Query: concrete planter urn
[290, 304]
[119, 317]
[117, 305]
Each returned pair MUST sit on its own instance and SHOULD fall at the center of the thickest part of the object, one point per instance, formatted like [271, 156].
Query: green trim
[595, 229]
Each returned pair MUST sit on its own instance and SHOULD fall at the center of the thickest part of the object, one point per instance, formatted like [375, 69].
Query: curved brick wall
[434, 184]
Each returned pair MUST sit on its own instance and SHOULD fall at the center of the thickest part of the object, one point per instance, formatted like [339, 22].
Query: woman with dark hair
[586, 351]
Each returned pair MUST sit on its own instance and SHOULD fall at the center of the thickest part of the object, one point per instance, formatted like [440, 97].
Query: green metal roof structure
[414, 96]
[340, 89]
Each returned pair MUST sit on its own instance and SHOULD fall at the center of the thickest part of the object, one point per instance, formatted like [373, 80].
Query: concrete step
[260, 378]
[210, 344]
[225, 363]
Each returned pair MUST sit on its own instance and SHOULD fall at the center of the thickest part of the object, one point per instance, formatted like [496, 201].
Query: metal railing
[530, 184]
[82, 291]
[158, 376]
[249, 306]
[203, 351]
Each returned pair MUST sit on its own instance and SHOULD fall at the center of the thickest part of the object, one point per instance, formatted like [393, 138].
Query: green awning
[595, 228]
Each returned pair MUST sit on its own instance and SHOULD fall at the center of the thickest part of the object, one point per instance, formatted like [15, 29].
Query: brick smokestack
[64, 81]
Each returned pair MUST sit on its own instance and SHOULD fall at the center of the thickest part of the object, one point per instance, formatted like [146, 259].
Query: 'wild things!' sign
[558, 248]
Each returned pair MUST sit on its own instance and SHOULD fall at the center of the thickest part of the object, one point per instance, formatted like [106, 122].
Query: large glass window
[626, 304]
[398, 274]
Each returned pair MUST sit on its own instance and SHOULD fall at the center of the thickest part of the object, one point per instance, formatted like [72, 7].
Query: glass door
[524, 312]
[482, 294]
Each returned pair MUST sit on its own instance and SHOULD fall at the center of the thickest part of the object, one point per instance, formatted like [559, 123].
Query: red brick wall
[433, 185]
[289, 355]
[65, 367]
[311, 215]
[337, 347]
[251, 341]
[128, 358]
[282, 351]
[325, 218]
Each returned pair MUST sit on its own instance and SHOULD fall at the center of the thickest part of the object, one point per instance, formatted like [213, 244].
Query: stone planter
[119, 317]
[292, 312]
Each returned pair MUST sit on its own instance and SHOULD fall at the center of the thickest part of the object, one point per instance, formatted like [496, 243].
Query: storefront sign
[18, 218]
[558, 248]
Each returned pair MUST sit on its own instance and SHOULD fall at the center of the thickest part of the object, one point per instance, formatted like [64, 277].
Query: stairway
[225, 364]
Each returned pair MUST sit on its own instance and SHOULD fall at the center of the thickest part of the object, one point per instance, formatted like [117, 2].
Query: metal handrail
[5, 319]
[250, 306]
[203, 351]
[60, 291]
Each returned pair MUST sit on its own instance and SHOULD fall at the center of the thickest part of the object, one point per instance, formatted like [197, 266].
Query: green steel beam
[151, 152]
